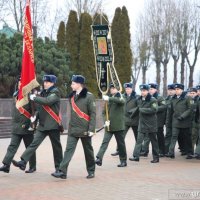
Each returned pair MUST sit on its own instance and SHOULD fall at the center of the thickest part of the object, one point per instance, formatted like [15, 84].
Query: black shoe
[31, 170]
[134, 159]
[98, 161]
[172, 156]
[5, 168]
[59, 174]
[183, 154]
[161, 155]
[21, 164]
[189, 157]
[122, 164]
[155, 160]
[90, 176]
[115, 154]
[144, 154]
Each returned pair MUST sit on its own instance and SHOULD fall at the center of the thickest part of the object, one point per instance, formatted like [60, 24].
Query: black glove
[180, 118]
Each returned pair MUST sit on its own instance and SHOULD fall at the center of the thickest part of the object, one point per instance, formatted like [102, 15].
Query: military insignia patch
[154, 105]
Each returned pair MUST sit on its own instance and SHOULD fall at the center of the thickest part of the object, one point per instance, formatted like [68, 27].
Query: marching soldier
[161, 116]
[130, 105]
[20, 121]
[168, 122]
[147, 107]
[116, 126]
[81, 126]
[48, 117]
[181, 121]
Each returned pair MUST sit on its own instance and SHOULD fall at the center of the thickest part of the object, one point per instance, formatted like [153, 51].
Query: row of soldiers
[145, 113]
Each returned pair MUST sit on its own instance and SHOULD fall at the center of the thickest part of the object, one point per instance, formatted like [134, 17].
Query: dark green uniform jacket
[168, 121]
[130, 105]
[78, 127]
[51, 98]
[181, 109]
[195, 113]
[147, 114]
[161, 113]
[20, 123]
[116, 106]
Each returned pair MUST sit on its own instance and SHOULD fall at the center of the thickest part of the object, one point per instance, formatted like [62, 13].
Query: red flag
[28, 78]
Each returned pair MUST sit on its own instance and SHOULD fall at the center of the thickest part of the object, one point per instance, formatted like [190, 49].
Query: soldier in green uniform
[20, 125]
[195, 122]
[49, 99]
[147, 107]
[116, 126]
[81, 126]
[131, 121]
[168, 122]
[181, 120]
[161, 116]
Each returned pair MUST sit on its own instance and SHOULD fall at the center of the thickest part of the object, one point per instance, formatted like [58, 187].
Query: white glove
[32, 97]
[105, 97]
[107, 123]
[90, 134]
[33, 118]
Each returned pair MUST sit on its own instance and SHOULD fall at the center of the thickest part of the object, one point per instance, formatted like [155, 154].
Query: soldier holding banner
[81, 126]
[20, 124]
[48, 111]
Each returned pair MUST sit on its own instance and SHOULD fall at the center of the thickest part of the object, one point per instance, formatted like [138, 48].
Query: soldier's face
[144, 93]
[152, 91]
[171, 92]
[76, 86]
[47, 85]
[193, 94]
[178, 91]
[128, 90]
[113, 90]
[198, 92]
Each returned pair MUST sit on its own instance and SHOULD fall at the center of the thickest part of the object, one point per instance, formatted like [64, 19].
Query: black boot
[115, 154]
[134, 159]
[122, 164]
[155, 160]
[90, 175]
[59, 174]
[30, 170]
[21, 164]
[5, 168]
[98, 161]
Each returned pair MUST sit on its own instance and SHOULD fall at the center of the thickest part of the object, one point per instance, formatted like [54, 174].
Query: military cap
[179, 85]
[128, 85]
[170, 87]
[153, 85]
[192, 89]
[198, 87]
[144, 87]
[78, 79]
[50, 78]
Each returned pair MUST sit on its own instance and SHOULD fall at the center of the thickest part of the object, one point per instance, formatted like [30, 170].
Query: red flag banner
[28, 78]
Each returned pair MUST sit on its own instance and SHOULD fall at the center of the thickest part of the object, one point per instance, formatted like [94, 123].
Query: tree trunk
[158, 74]
[175, 70]
[165, 79]
[191, 76]
[182, 68]
[144, 75]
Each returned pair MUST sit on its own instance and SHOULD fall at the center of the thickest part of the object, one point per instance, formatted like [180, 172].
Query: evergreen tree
[72, 39]
[86, 53]
[61, 35]
[121, 44]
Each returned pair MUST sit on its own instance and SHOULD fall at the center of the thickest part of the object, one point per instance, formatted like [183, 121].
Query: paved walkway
[168, 180]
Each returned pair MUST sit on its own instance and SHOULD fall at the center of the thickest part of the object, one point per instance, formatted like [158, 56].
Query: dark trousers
[186, 142]
[134, 128]
[70, 149]
[168, 138]
[14, 145]
[154, 143]
[54, 136]
[119, 136]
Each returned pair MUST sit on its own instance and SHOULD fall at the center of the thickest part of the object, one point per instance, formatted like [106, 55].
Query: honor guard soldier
[48, 117]
[116, 126]
[20, 124]
[161, 116]
[181, 121]
[168, 122]
[130, 104]
[147, 107]
[81, 126]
